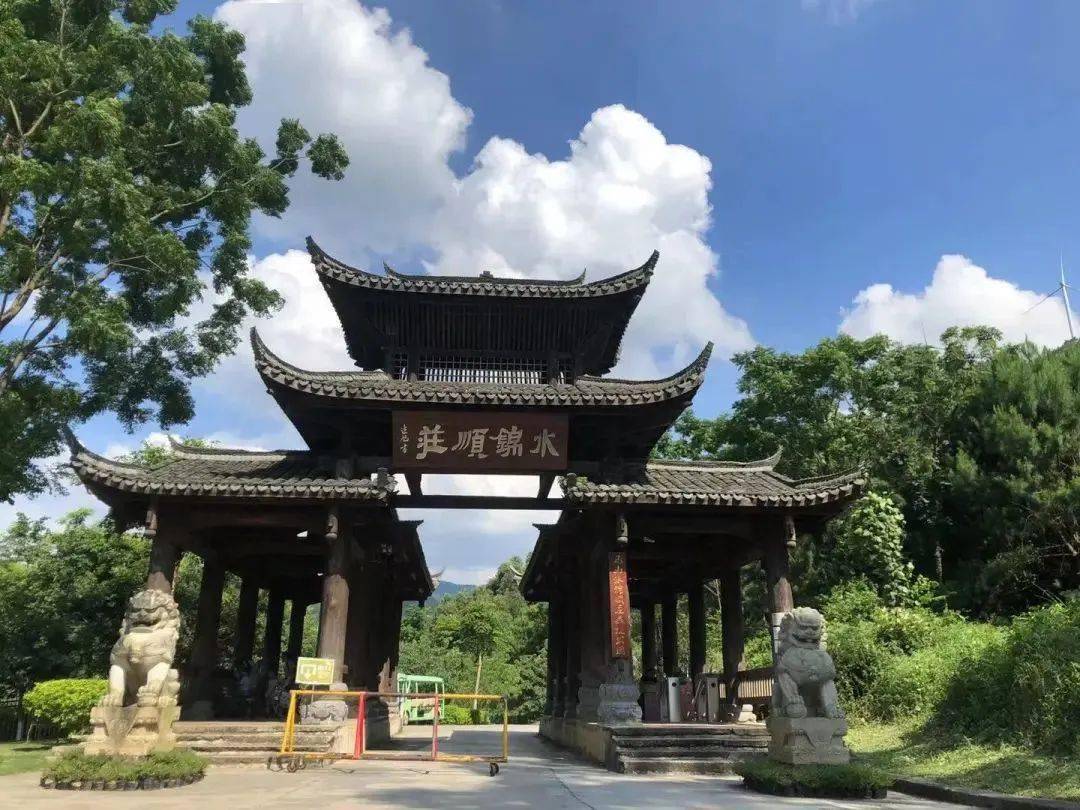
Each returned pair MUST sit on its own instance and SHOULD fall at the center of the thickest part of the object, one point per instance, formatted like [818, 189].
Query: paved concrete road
[538, 775]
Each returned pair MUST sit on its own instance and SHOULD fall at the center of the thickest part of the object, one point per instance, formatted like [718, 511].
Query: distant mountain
[448, 589]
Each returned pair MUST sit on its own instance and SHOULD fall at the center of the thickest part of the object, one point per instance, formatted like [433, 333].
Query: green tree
[473, 629]
[126, 196]
[62, 596]
[889, 408]
[867, 542]
[1014, 491]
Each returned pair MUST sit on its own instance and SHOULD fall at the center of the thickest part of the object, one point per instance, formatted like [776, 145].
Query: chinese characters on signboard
[478, 442]
[619, 596]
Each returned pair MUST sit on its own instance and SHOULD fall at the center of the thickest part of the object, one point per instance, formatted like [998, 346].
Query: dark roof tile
[717, 483]
[378, 385]
[334, 270]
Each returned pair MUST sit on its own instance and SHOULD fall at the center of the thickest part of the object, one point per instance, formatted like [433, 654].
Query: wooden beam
[415, 482]
[475, 502]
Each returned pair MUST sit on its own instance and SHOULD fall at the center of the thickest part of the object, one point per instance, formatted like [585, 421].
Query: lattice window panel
[507, 370]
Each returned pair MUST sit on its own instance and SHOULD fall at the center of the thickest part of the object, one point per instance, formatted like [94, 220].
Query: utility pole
[1065, 295]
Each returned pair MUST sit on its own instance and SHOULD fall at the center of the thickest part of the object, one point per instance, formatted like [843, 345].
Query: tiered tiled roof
[333, 270]
[379, 386]
[226, 473]
[717, 483]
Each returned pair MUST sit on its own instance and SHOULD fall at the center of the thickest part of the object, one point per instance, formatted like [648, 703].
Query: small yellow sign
[315, 671]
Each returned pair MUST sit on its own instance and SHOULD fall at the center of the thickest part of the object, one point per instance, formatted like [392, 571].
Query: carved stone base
[808, 740]
[588, 700]
[325, 710]
[618, 697]
[133, 731]
[650, 699]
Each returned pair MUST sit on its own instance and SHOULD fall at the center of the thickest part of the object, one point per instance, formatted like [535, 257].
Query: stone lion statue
[804, 671]
[140, 664]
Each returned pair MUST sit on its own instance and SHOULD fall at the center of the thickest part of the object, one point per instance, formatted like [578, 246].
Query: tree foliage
[126, 197]
[977, 444]
[867, 541]
[1014, 491]
[62, 596]
[444, 639]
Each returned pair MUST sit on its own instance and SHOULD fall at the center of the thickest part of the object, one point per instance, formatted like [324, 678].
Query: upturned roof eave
[379, 387]
[104, 475]
[337, 274]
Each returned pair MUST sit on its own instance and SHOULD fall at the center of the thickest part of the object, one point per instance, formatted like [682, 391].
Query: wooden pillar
[556, 657]
[335, 604]
[669, 632]
[648, 641]
[695, 599]
[780, 600]
[204, 648]
[275, 612]
[573, 640]
[164, 557]
[390, 641]
[297, 612]
[731, 627]
[246, 611]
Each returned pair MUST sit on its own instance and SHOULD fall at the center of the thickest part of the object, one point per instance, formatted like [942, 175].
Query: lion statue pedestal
[135, 716]
[806, 724]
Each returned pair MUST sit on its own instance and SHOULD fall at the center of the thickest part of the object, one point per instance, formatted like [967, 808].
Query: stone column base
[618, 697]
[808, 740]
[651, 692]
[133, 731]
[325, 710]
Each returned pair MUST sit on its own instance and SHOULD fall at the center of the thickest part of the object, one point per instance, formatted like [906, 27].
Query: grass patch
[77, 766]
[833, 781]
[20, 757]
[911, 749]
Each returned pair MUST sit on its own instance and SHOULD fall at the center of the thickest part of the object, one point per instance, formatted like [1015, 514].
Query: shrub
[859, 657]
[916, 684]
[1026, 686]
[453, 715]
[65, 703]
[77, 766]
[850, 602]
[906, 630]
[837, 781]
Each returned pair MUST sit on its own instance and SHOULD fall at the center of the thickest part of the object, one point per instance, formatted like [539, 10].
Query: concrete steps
[685, 748]
[246, 743]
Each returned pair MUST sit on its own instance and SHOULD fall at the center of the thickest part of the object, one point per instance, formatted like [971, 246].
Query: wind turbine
[1063, 287]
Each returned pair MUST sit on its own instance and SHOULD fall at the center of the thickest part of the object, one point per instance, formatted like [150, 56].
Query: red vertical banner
[619, 599]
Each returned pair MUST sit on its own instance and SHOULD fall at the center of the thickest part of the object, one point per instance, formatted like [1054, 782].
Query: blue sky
[789, 158]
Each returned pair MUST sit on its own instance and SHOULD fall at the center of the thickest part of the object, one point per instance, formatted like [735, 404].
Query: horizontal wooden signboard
[443, 441]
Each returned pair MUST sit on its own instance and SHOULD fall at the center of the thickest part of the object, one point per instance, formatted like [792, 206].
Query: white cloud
[341, 68]
[959, 294]
[839, 11]
[622, 192]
